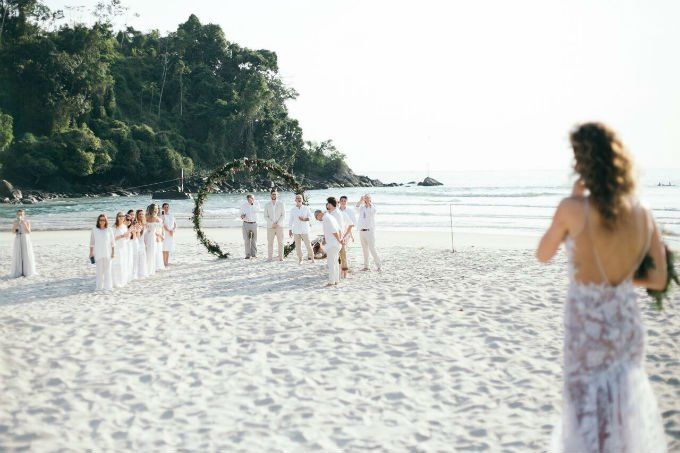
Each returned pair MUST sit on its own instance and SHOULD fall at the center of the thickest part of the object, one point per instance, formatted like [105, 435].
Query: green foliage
[6, 131]
[94, 107]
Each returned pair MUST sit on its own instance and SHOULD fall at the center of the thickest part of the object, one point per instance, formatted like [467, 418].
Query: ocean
[495, 202]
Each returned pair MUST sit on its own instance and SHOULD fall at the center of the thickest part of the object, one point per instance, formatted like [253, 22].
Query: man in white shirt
[366, 227]
[299, 226]
[350, 221]
[274, 214]
[332, 238]
[169, 227]
[249, 210]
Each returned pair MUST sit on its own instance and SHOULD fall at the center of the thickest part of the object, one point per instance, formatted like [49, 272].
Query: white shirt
[341, 219]
[350, 214]
[169, 222]
[295, 224]
[330, 226]
[250, 211]
[367, 217]
[101, 241]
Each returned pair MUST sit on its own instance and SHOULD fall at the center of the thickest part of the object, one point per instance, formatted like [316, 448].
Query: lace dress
[609, 405]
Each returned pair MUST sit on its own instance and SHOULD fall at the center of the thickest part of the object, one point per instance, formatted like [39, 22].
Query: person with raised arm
[608, 403]
[169, 228]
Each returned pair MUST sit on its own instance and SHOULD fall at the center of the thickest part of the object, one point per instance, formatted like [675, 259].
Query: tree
[6, 131]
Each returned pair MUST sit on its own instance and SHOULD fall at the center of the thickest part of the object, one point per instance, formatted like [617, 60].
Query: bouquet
[648, 264]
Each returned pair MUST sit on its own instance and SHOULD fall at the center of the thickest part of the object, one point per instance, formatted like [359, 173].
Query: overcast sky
[459, 85]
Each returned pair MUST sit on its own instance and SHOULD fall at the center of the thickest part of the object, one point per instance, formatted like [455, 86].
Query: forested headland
[85, 106]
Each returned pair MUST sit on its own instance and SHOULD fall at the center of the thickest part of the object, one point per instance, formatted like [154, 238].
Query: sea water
[495, 202]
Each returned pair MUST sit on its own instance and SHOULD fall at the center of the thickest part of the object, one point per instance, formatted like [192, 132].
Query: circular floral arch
[219, 176]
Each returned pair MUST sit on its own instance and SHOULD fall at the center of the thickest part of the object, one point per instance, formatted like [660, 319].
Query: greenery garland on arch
[227, 171]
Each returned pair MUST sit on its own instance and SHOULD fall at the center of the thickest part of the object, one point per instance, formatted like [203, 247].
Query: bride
[609, 405]
[23, 260]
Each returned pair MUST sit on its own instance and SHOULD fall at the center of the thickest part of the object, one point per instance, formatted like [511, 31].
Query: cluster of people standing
[137, 245]
[338, 221]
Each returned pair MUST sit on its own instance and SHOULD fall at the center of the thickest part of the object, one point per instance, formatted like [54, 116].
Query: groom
[274, 213]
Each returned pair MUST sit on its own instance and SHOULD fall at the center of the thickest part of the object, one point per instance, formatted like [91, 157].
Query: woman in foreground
[23, 260]
[609, 405]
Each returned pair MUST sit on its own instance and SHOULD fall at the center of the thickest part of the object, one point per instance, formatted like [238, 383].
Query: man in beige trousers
[299, 228]
[274, 214]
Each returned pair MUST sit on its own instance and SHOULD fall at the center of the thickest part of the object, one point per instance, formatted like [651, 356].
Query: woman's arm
[551, 240]
[27, 224]
[658, 275]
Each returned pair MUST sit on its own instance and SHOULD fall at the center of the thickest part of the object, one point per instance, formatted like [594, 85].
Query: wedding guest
[350, 222]
[140, 258]
[153, 236]
[332, 208]
[274, 214]
[299, 228]
[331, 232]
[169, 228]
[366, 226]
[609, 405]
[160, 237]
[119, 264]
[102, 251]
[132, 242]
[249, 210]
[23, 260]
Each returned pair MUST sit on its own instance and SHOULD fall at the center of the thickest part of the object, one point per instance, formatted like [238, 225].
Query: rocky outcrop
[430, 182]
[8, 193]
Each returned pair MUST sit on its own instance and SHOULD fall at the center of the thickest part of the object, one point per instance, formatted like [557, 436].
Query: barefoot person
[274, 214]
[331, 233]
[349, 219]
[298, 222]
[332, 208]
[23, 260]
[102, 251]
[119, 264]
[608, 403]
[169, 228]
[249, 210]
[366, 226]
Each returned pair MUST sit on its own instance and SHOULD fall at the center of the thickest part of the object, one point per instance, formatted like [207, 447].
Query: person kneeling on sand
[332, 239]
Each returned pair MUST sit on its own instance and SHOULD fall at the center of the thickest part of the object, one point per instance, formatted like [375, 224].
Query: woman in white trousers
[102, 250]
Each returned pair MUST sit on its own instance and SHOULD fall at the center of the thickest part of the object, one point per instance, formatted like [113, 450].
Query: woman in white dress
[152, 239]
[119, 265]
[131, 244]
[608, 403]
[160, 237]
[140, 259]
[23, 260]
[102, 251]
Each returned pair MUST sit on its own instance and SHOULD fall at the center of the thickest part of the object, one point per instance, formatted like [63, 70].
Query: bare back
[610, 256]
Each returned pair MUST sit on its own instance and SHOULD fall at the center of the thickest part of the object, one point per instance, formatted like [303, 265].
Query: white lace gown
[23, 260]
[609, 405]
[150, 247]
[119, 264]
[140, 258]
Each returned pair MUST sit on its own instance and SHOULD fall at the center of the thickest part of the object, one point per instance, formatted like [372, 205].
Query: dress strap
[592, 243]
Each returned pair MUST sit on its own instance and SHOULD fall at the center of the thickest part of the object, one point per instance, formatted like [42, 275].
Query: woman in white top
[119, 265]
[131, 244]
[608, 404]
[153, 238]
[333, 242]
[23, 260]
[102, 250]
[140, 258]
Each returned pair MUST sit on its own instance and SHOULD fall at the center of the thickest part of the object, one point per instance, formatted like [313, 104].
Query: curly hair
[605, 167]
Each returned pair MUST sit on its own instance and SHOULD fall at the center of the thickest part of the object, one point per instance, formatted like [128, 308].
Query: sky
[459, 85]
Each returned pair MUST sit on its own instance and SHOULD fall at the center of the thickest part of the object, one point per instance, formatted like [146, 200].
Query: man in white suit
[274, 214]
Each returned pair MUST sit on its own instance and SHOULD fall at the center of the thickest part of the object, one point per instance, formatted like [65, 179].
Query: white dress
[168, 240]
[102, 241]
[23, 260]
[160, 266]
[132, 258]
[119, 264]
[150, 246]
[609, 405]
[140, 258]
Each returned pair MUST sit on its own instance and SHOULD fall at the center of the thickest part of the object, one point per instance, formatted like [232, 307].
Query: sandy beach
[439, 352]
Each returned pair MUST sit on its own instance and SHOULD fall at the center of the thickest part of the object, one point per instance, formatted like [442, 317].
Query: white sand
[440, 352]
